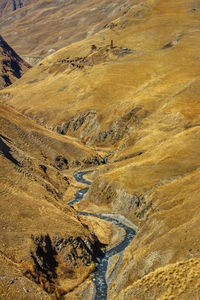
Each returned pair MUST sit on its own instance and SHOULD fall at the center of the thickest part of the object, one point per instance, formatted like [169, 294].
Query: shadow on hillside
[5, 150]
[16, 69]
[7, 80]
[44, 258]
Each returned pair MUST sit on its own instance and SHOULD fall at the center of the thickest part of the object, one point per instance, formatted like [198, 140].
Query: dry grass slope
[38, 230]
[77, 20]
[140, 97]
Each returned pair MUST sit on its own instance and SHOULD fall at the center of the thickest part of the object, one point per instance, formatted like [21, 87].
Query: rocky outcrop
[87, 127]
[58, 258]
[12, 67]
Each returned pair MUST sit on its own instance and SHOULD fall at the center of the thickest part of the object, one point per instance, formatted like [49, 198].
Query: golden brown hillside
[12, 67]
[133, 88]
[41, 27]
[38, 231]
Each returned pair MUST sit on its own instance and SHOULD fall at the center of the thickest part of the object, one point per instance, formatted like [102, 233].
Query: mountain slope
[12, 67]
[38, 230]
[65, 22]
[134, 88]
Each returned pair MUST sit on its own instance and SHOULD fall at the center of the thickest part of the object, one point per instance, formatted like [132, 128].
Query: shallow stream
[99, 277]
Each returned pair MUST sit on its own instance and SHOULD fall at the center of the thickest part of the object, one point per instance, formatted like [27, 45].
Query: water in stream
[99, 277]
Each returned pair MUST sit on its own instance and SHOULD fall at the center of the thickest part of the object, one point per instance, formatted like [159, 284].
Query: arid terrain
[46, 26]
[12, 67]
[36, 224]
[130, 88]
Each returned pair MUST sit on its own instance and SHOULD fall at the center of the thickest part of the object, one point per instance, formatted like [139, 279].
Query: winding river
[99, 277]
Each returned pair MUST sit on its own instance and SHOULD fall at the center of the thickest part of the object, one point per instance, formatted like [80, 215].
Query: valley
[99, 150]
[99, 277]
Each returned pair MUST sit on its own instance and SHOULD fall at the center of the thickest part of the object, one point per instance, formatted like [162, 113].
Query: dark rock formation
[12, 66]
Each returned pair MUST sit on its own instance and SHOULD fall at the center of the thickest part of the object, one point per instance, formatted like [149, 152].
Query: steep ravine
[99, 278]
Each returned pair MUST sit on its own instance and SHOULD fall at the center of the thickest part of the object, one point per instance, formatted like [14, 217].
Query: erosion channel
[99, 277]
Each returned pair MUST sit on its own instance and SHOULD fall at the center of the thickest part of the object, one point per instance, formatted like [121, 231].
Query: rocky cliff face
[12, 67]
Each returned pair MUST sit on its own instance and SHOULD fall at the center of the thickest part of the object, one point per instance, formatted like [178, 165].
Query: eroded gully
[99, 276]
